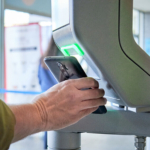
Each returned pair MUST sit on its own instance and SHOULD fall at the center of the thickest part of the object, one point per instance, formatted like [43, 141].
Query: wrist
[27, 121]
[41, 113]
[37, 121]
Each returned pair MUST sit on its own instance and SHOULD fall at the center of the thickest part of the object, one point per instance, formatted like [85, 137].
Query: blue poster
[147, 46]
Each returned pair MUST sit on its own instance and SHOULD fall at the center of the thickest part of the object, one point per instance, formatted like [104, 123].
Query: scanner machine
[101, 32]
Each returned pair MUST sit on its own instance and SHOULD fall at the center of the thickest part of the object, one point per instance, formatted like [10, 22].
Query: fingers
[91, 94]
[84, 83]
[92, 103]
[86, 112]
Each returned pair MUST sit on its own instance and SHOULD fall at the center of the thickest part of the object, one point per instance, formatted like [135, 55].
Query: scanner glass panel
[60, 13]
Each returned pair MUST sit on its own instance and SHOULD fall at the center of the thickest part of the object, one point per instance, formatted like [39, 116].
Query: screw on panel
[140, 142]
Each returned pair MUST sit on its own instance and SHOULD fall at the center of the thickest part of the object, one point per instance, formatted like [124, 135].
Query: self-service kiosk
[101, 32]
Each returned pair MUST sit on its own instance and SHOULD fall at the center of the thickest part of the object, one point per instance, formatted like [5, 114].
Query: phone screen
[65, 69]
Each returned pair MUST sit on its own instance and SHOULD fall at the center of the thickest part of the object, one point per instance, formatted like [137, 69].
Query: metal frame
[64, 141]
[116, 122]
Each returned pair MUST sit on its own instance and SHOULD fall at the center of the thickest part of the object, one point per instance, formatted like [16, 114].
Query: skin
[59, 107]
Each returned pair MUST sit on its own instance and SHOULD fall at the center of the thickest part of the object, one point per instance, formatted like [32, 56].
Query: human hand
[66, 103]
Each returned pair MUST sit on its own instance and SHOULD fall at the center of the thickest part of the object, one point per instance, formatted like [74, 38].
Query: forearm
[57, 108]
[28, 121]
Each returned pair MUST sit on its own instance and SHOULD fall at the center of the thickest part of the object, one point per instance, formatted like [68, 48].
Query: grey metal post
[64, 141]
[140, 142]
[1, 46]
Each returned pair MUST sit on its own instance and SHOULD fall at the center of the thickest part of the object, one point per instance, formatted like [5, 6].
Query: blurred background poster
[23, 48]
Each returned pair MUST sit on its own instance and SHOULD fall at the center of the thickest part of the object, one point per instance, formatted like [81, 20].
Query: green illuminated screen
[76, 47]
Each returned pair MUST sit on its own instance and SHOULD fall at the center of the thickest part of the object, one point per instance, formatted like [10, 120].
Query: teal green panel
[40, 7]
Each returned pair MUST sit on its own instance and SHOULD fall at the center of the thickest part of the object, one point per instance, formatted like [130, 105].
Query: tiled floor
[89, 142]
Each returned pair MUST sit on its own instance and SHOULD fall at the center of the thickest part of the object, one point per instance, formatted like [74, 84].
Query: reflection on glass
[87, 69]
[136, 21]
[64, 69]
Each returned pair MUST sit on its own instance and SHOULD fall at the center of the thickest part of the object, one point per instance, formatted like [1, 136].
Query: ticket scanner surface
[101, 32]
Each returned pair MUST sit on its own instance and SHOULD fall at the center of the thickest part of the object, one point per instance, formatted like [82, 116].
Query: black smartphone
[65, 68]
